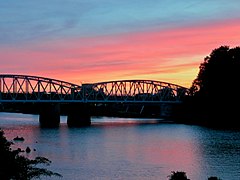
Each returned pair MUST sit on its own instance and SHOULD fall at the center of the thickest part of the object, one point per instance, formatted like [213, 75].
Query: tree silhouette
[216, 87]
[213, 178]
[178, 175]
[15, 166]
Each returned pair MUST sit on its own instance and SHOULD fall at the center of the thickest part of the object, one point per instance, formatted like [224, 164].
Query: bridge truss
[24, 88]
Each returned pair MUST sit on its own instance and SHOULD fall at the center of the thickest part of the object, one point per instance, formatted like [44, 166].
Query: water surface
[118, 148]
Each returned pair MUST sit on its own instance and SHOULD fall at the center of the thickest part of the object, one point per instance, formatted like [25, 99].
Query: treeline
[214, 94]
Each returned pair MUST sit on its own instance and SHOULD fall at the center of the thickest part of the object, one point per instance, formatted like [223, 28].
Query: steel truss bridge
[25, 88]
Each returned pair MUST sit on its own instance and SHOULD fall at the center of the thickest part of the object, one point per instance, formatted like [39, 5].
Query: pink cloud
[157, 54]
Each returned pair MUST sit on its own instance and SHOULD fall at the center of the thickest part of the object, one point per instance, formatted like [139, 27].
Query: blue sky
[27, 20]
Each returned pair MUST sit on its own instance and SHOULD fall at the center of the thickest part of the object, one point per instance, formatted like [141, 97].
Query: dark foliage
[178, 175]
[215, 90]
[15, 166]
[181, 175]
[218, 71]
[213, 178]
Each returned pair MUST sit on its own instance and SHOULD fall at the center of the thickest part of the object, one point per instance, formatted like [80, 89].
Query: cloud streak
[30, 21]
[151, 54]
[94, 41]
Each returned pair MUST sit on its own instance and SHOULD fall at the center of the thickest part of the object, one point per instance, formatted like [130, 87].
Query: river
[128, 149]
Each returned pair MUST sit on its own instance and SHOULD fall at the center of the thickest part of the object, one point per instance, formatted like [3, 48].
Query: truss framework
[25, 88]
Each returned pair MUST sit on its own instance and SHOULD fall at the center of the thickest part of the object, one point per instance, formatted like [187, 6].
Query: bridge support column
[79, 116]
[166, 110]
[49, 115]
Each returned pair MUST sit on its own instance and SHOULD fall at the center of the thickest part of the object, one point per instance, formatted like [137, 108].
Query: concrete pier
[78, 116]
[166, 110]
[49, 115]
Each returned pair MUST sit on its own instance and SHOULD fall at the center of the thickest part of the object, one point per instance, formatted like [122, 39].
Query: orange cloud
[172, 55]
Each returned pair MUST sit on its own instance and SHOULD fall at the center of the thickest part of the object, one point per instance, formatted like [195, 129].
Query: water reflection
[130, 150]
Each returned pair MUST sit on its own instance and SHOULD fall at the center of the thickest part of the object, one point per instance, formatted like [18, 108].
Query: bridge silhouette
[51, 93]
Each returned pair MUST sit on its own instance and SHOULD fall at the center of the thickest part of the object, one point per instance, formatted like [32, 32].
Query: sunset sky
[84, 41]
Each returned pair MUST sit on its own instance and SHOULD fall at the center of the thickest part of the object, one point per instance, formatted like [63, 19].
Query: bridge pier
[78, 116]
[166, 110]
[49, 115]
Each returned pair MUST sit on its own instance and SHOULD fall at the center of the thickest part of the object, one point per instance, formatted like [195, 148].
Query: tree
[15, 166]
[219, 69]
[213, 178]
[215, 88]
[178, 175]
